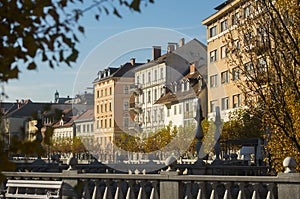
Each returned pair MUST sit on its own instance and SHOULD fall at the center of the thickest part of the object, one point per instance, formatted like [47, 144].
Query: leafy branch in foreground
[46, 30]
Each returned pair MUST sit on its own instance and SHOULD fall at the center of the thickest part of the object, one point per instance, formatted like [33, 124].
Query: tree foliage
[268, 57]
[242, 125]
[46, 31]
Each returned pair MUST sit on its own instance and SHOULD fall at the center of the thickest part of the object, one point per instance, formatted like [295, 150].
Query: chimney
[148, 60]
[192, 68]
[156, 52]
[132, 61]
[172, 47]
[181, 42]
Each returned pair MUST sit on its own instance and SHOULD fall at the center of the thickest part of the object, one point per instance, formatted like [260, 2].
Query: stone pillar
[289, 181]
[70, 184]
[170, 189]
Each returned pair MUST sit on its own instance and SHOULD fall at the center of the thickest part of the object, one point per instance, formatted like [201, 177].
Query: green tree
[47, 30]
[269, 60]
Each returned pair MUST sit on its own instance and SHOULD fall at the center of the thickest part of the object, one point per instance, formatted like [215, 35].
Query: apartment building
[181, 100]
[222, 88]
[111, 106]
[153, 80]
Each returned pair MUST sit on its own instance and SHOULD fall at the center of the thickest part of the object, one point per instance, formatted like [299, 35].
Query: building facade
[222, 89]
[155, 78]
[111, 107]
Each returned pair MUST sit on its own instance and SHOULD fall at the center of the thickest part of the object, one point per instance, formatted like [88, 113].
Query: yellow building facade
[222, 89]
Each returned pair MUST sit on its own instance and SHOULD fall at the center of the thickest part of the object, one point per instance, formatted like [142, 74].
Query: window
[143, 79]
[224, 51]
[155, 94]
[155, 75]
[224, 77]
[137, 79]
[248, 66]
[149, 77]
[126, 105]
[213, 105]
[213, 31]
[262, 65]
[105, 107]
[168, 112]
[213, 56]
[236, 45]
[235, 18]
[235, 73]
[155, 116]
[175, 110]
[101, 108]
[101, 93]
[161, 115]
[148, 116]
[224, 25]
[143, 98]
[246, 11]
[97, 108]
[161, 73]
[78, 128]
[213, 80]
[105, 92]
[236, 101]
[225, 103]
[110, 91]
[110, 124]
[126, 90]
[179, 109]
[187, 107]
[98, 94]
[110, 107]
[149, 96]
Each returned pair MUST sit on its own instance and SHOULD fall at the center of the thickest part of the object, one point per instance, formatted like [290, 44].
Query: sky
[112, 41]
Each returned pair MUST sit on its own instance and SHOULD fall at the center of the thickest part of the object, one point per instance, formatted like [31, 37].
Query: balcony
[136, 89]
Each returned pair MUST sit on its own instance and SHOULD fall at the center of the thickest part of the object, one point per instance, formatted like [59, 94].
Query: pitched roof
[124, 70]
[87, 115]
[28, 109]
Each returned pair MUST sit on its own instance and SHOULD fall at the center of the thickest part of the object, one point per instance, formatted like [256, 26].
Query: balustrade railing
[164, 185]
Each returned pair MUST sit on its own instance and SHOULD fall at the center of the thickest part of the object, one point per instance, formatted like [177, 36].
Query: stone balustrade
[168, 185]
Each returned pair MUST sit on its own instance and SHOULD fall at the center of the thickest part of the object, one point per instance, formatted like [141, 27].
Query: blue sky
[100, 47]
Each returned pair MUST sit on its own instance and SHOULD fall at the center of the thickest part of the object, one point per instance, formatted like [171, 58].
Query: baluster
[256, 187]
[188, 192]
[142, 192]
[130, 191]
[86, 192]
[154, 191]
[119, 193]
[227, 194]
[270, 188]
[201, 191]
[214, 193]
[241, 194]
[107, 192]
[96, 192]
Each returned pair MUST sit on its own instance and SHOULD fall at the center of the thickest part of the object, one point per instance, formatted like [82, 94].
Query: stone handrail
[168, 185]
